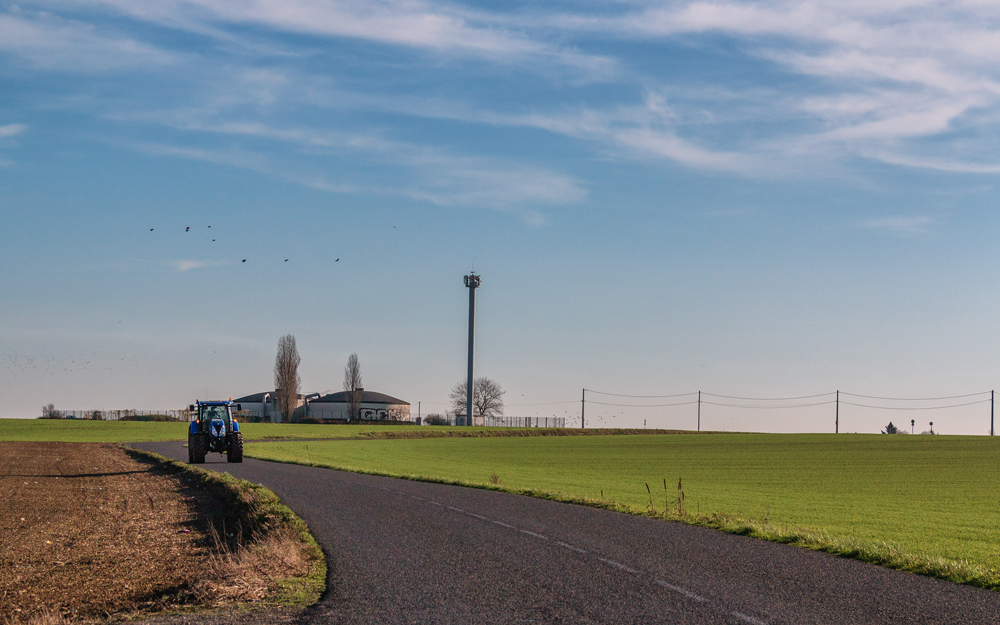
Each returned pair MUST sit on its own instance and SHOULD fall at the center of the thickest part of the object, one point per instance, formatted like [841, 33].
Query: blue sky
[754, 199]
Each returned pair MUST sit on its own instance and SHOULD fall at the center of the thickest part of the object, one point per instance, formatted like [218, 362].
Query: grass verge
[264, 554]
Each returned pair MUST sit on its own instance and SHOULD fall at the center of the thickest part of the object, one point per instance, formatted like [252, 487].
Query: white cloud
[877, 80]
[188, 265]
[439, 177]
[11, 130]
[54, 43]
[429, 25]
[235, 158]
[184, 265]
[897, 71]
[901, 226]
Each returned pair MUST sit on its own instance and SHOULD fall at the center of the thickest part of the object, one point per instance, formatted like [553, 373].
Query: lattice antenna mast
[472, 282]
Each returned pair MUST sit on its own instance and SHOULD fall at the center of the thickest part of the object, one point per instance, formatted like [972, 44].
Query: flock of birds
[188, 229]
[49, 367]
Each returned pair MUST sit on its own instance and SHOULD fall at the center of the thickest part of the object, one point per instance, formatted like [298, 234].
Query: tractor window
[214, 412]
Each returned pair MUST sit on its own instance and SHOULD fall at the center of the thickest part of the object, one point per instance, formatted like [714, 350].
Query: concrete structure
[374, 407]
[264, 406]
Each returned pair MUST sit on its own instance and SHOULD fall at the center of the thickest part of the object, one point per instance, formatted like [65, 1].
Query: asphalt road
[411, 552]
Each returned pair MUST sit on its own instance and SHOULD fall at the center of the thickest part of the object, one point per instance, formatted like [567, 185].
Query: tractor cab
[214, 429]
[214, 418]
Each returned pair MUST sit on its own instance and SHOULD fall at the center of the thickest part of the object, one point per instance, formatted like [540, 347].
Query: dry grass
[251, 572]
[90, 531]
[46, 617]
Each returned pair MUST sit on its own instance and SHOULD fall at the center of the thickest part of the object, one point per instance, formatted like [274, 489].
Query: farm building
[374, 407]
[264, 406]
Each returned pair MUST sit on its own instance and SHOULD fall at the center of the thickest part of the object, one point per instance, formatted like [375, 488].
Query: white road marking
[618, 565]
[534, 534]
[682, 591]
[568, 546]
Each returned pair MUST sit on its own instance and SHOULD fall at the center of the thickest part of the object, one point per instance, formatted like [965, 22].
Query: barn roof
[259, 397]
[367, 397]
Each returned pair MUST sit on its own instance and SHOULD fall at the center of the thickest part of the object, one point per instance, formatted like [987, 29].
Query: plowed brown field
[86, 530]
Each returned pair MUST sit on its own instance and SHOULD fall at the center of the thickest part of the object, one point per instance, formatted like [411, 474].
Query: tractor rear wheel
[196, 448]
[235, 453]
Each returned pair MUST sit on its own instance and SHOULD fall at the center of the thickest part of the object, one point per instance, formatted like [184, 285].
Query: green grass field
[926, 504]
[70, 430]
[921, 503]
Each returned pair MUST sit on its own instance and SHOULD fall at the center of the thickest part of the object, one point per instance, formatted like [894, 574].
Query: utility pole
[837, 425]
[699, 411]
[583, 406]
[991, 413]
[472, 282]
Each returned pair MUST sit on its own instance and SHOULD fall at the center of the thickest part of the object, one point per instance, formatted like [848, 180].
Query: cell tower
[471, 281]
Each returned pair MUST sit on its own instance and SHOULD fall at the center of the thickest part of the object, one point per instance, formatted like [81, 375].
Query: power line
[971, 403]
[683, 403]
[551, 403]
[915, 398]
[767, 398]
[821, 403]
[642, 396]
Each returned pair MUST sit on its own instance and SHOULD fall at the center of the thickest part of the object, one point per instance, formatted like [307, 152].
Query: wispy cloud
[428, 25]
[895, 82]
[436, 175]
[894, 71]
[188, 265]
[901, 226]
[184, 265]
[50, 42]
[12, 130]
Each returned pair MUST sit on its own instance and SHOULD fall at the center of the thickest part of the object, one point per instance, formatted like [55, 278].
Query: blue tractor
[214, 429]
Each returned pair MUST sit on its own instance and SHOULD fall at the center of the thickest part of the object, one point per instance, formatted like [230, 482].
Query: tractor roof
[215, 403]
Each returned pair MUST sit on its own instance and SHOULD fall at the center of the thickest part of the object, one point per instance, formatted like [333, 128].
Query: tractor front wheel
[235, 453]
[196, 448]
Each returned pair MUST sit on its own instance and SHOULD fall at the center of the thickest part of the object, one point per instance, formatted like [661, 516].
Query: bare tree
[50, 412]
[487, 398]
[286, 376]
[353, 386]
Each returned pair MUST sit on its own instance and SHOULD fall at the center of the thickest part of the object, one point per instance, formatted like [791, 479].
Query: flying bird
[244, 260]
[187, 229]
[213, 239]
[337, 261]
[286, 260]
[150, 229]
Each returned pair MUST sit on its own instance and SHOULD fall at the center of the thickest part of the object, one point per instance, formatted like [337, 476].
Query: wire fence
[833, 399]
[117, 415]
[525, 422]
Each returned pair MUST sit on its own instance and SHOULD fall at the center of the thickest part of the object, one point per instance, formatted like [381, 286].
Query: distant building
[374, 407]
[264, 406]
